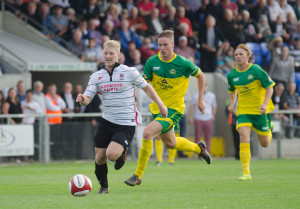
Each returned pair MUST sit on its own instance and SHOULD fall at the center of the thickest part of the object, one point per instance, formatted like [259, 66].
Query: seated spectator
[232, 30]
[94, 9]
[44, 19]
[128, 4]
[264, 28]
[38, 95]
[250, 28]
[21, 94]
[215, 9]
[227, 4]
[162, 6]
[183, 49]
[59, 21]
[124, 14]
[228, 59]
[62, 3]
[171, 22]
[147, 50]
[182, 19]
[12, 106]
[54, 104]
[131, 47]
[72, 23]
[286, 8]
[69, 99]
[122, 58]
[136, 23]
[91, 52]
[183, 30]
[259, 9]
[82, 26]
[192, 11]
[242, 6]
[274, 46]
[100, 49]
[145, 7]
[109, 30]
[135, 57]
[274, 10]
[29, 107]
[32, 13]
[279, 28]
[127, 35]
[94, 33]
[282, 69]
[112, 14]
[295, 52]
[291, 101]
[155, 26]
[76, 45]
[291, 25]
[209, 40]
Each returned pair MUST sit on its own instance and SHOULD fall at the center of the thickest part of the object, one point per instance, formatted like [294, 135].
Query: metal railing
[14, 59]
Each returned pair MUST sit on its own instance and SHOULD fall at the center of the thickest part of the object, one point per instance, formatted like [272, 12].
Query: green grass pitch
[188, 184]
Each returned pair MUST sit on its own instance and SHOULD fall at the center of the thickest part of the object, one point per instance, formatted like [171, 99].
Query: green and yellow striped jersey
[251, 85]
[170, 80]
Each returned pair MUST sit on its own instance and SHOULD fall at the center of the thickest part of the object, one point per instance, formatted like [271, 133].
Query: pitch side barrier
[73, 139]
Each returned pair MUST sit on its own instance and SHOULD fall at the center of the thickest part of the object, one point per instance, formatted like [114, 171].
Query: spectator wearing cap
[183, 49]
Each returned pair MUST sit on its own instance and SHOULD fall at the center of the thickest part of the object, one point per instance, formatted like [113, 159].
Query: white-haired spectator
[38, 94]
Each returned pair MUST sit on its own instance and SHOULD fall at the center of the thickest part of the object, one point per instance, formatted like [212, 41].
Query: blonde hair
[167, 33]
[113, 44]
[246, 48]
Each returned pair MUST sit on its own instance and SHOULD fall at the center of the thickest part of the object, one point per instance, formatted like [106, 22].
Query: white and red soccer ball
[80, 185]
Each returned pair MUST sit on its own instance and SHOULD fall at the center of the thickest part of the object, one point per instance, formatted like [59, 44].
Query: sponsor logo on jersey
[156, 68]
[121, 76]
[265, 128]
[164, 81]
[236, 79]
[245, 88]
[173, 71]
[100, 77]
[250, 77]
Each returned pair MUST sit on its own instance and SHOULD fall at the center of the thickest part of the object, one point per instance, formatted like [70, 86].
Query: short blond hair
[167, 33]
[113, 44]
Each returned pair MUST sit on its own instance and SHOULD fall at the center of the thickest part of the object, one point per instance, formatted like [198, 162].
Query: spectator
[29, 107]
[136, 23]
[274, 10]
[191, 8]
[119, 6]
[241, 6]
[295, 52]
[135, 56]
[82, 26]
[44, 19]
[72, 24]
[69, 98]
[112, 14]
[127, 35]
[171, 22]
[264, 28]
[94, 10]
[147, 50]
[162, 6]
[91, 53]
[38, 95]
[296, 7]
[228, 59]
[282, 68]
[232, 30]
[100, 49]
[1, 105]
[259, 9]
[250, 28]
[21, 94]
[182, 19]
[54, 104]
[183, 30]
[62, 3]
[131, 47]
[128, 4]
[209, 39]
[78, 5]
[109, 30]
[279, 28]
[124, 14]
[76, 45]
[286, 8]
[12, 106]
[274, 46]
[227, 4]
[203, 122]
[59, 21]
[94, 33]
[183, 49]
[31, 12]
[291, 25]
[291, 101]
[122, 58]
[155, 26]
[277, 99]
[1, 69]
[215, 9]
[145, 7]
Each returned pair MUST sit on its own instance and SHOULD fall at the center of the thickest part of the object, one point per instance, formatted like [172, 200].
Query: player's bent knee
[265, 143]
[147, 134]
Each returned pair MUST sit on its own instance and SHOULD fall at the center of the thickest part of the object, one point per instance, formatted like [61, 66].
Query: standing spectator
[54, 104]
[110, 31]
[59, 21]
[94, 33]
[29, 107]
[209, 39]
[291, 101]
[38, 95]
[145, 7]
[137, 23]
[203, 122]
[182, 19]
[259, 9]
[171, 22]
[227, 4]
[215, 9]
[21, 94]
[183, 49]
[69, 99]
[1, 105]
[155, 26]
[76, 45]
[127, 35]
[12, 106]
[250, 28]
[282, 69]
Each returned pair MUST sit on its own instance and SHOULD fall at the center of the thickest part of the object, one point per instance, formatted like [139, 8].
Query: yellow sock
[270, 136]
[172, 153]
[245, 156]
[159, 150]
[184, 144]
[144, 156]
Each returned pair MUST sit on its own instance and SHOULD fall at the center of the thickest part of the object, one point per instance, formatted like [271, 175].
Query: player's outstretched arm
[154, 96]
[201, 86]
[232, 100]
[83, 99]
[264, 106]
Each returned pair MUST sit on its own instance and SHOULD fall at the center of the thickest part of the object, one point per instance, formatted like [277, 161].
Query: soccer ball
[80, 185]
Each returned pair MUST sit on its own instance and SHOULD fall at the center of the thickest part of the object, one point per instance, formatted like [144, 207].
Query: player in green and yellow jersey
[254, 88]
[169, 75]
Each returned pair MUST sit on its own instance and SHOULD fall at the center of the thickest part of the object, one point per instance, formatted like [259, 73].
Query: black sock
[101, 174]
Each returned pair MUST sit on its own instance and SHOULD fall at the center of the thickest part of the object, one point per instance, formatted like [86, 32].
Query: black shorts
[108, 132]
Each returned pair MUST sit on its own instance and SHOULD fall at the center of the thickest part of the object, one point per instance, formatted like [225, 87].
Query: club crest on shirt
[173, 71]
[121, 76]
[250, 77]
